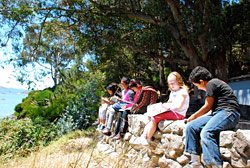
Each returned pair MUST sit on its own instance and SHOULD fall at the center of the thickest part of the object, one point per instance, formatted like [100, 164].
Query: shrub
[81, 110]
[35, 105]
[20, 137]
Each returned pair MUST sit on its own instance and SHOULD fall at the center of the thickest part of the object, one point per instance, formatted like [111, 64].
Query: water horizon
[8, 101]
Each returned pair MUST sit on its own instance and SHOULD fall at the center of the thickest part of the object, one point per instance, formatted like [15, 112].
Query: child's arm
[105, 100]
[176, 105]
[204, 109]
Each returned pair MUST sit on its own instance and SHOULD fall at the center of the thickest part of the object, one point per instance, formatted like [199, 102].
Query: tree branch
[9, 35]
[145, 52]
[123, 12]
[40, 33]
[204, 46]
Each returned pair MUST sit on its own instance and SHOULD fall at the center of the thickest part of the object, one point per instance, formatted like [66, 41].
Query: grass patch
[71, 150]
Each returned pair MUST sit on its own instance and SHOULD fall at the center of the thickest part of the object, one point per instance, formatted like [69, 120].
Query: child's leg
[118, 123]
[150, 130]
[152, 125]
[124, 127]
[102, 116]
[221, 120]
[193, 129]
[103, 121]
[169, 115]
[109, 118]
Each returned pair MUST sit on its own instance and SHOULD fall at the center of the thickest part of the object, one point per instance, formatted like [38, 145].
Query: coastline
[8, 102]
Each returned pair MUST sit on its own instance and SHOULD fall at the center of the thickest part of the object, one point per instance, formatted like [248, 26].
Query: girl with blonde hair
[174, 109]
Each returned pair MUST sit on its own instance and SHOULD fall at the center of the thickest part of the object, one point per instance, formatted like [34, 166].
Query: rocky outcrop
[167, 150]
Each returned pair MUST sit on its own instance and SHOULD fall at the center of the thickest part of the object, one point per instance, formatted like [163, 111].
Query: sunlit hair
[125, 80]
[199, 73]
[134, 83]
[114, 88]
[179, 80]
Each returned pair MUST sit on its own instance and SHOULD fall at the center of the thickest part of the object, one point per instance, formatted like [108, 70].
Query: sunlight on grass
[76, 149]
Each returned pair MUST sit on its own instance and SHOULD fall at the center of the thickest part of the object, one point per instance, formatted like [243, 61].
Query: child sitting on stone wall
[174, 109]
[220, 112]
[145, 95]
[127, 97]
[115, 93]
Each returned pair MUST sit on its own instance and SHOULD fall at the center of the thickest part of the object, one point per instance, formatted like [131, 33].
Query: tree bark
[216, 64]
[163, 84]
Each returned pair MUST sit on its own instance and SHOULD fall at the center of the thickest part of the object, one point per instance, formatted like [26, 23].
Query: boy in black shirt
[220, 112]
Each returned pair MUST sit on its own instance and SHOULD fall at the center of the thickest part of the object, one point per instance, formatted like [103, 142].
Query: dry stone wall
[167, 150]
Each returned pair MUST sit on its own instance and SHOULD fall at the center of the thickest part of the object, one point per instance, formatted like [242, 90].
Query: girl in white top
[175, 108]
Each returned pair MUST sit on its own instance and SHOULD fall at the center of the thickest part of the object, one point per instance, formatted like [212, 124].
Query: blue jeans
[117, 106]
[111, 112]
[207, 129]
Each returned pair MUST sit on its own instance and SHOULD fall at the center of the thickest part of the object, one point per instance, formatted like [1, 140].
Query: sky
[7, 73]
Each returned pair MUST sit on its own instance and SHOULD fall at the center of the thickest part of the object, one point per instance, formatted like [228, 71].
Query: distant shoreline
[9, 99]
[25, 92]
[10, 116]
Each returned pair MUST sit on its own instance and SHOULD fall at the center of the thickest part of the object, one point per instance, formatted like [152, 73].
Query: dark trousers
[122, 122]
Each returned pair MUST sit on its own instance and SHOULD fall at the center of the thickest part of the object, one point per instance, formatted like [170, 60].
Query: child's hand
[123, 107]
[166, 106]
[192, 117]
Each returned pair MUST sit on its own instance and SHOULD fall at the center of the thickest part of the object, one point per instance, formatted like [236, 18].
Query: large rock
[167, 163]
[137, 122]
[167, 150]
[170, 126]
[226, 138]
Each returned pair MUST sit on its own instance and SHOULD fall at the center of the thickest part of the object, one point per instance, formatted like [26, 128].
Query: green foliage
[21, 137]
[35, 105]
[18, 109]
[82, 109]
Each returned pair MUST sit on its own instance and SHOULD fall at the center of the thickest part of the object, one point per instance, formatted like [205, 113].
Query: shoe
[194, 165]
[106, 132]
[102, 126]
[113, 135]
[99, 127]
[118, 137]
[95, 124]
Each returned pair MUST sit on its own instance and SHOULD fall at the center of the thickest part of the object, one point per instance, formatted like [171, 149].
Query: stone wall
[167, 150]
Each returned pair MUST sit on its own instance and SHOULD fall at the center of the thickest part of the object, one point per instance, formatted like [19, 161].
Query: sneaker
[102, 126]
[113, 135]
[98, 127]
[194, 165]
[118, 137]
[95, 124]
[106, 132]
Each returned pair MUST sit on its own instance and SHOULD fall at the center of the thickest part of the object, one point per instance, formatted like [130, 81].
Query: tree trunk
[216, 64]
[163, 85]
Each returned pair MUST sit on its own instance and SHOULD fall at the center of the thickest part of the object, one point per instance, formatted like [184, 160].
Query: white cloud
[8, 74]
[8, 80]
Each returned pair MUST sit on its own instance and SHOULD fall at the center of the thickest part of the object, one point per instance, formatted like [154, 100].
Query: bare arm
[179, 104]
[176, 105]
[204, 109]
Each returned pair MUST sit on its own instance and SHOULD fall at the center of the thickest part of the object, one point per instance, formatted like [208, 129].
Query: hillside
[66, 152]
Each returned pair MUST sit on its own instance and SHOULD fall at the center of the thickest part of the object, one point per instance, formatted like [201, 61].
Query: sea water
[8, 101]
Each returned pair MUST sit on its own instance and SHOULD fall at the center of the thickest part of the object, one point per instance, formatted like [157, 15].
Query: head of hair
[179, 80]
[199, 73]
[134, 82]
[113, 87]
[125, 80]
